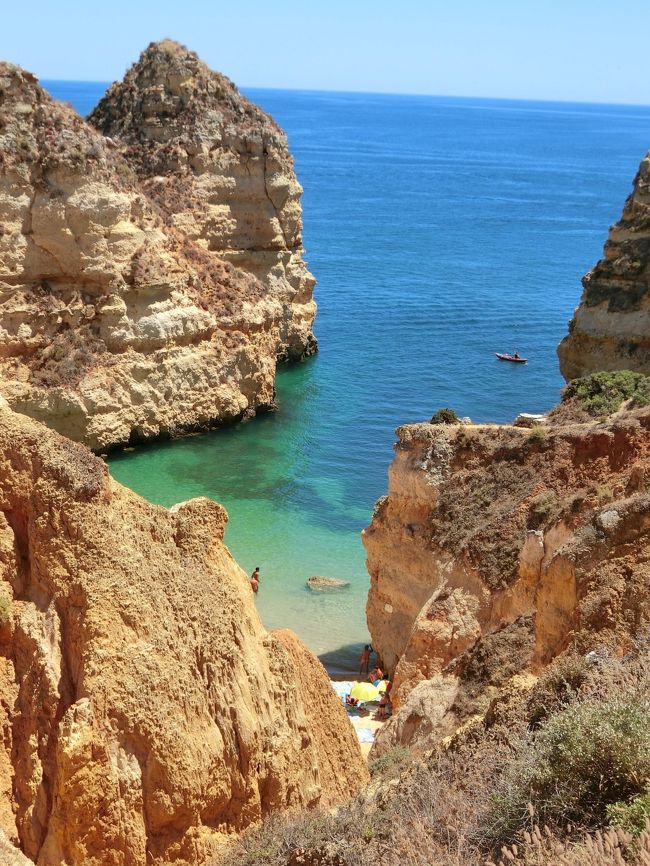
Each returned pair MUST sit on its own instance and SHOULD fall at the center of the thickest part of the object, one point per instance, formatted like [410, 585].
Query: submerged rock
[324, 584]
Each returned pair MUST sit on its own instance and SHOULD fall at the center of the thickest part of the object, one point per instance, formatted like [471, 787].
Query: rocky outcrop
[124, 316]
[220, 170]
[610, 329]
[495, 550]
[145, 710]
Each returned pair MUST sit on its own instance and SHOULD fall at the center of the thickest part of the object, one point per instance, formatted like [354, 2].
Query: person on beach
[364, 659]
[255, 579]
[383, 705]
[375, 674]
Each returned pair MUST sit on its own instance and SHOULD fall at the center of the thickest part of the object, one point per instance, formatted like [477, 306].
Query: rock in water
[144, 707]
[220, 169]
[610, 329]
[323, 584]
[149, 281]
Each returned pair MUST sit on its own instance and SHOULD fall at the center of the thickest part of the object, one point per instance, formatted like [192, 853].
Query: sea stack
[220, 170]
[150, 278]
[610, 329]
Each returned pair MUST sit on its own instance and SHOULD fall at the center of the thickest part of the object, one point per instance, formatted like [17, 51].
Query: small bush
[582, 760]
[465, 438]
[557, 687]
[445, 416]
[541, 508]
[538, 434]
[604, 494]
[633, 816]
[5, 609]
[603, 393]
[393, 762]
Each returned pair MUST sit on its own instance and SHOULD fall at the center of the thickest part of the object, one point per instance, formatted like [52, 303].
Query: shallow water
[440, 231]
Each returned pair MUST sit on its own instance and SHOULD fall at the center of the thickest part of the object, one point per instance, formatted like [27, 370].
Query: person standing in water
[364, 659]
[255, 579]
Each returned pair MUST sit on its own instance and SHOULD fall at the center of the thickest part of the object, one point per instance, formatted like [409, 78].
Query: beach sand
[366, 726]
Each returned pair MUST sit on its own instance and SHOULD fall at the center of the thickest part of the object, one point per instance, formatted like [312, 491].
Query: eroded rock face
[121, 319]
[145, 709]
[220, 170]
[610, 329]
[495, 550]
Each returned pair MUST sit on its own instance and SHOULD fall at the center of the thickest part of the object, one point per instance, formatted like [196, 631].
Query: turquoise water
[440, 231]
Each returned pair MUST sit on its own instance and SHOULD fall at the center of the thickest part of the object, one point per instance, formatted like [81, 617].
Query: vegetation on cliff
[509, 787]
[602, 394]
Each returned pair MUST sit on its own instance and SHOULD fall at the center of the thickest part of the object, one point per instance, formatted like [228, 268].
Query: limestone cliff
[610, 329]
[120, 318]
[497, 548]
[145, 710]
[220, 170]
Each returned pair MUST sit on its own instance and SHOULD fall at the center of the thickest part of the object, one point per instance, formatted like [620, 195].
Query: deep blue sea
[440, 231]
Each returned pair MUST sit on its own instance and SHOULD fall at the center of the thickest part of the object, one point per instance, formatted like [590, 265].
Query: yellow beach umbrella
[364, 692]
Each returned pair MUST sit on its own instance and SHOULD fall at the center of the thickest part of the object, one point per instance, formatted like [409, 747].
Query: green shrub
[445, 416]
[539, 433]
[392, 762]
[557, 687]
[584, 759]
[541, 508]
[633, 816]
[603, 393]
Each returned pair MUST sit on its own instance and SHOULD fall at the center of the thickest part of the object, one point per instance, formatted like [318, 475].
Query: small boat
[516, 358]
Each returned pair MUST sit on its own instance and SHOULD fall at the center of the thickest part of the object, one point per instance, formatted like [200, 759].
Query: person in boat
[515, 355]
[255, 579]
[364, 659]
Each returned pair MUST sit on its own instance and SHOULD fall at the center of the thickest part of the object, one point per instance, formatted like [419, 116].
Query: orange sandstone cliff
[495, 550]
[145, 710]
[610, 329]
[151, 279]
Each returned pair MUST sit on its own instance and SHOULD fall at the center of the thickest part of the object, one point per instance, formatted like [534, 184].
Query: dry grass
[610, 848]
[439, 811]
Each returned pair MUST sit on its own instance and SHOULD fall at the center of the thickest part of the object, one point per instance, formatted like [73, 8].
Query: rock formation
[147, 285]
[317, 583]
[220, 170]
[145, 710]
[610, 329]
[496, 549]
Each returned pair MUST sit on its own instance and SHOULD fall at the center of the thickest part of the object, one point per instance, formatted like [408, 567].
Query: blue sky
[582, 50]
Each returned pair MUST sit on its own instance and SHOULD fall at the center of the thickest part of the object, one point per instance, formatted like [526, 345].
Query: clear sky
[582, 50]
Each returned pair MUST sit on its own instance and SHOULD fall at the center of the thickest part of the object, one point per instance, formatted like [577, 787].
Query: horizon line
[389, 93]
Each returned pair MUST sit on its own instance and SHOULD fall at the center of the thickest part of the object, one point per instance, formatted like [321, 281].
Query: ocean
[440, 230]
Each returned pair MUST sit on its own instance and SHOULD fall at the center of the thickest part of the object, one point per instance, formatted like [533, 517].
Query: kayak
[515, 358]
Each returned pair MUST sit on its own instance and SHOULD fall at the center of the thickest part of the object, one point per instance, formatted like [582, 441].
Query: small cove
[440, 230]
